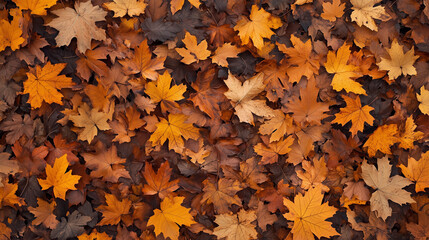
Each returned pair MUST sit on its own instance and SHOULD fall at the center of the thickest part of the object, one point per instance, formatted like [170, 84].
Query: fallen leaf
[417, 171]
[364, 13]
[382, 139]
[44, 214]
[114, 210]
[126, 7]
[159, 183]
[236, 226]
[194, 51]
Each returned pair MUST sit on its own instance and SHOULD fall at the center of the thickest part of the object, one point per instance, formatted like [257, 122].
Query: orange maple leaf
[194, 52]
[159, 182]
[115, 210]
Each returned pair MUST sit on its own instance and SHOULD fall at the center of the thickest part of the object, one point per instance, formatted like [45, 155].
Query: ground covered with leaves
[214, 119]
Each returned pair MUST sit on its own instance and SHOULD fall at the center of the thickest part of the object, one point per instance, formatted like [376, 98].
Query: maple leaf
[236, 226]
[355, 113]
[417, 171]
[423, 98]
[301, 58]
[91, 120]
[173, 129]
[309, 215]
[221, 194]
[314, 174]
[43, 84]
[10, 35]
[407, 137]
[169, 217]
[271, 153]
[193, 52]
[364, 13]
[114, 210]
[7, 166]
[376, 226]
[58, 178]
[17, 126]
[381, 139]
[72, 227]
[399, 62]
[79, 23]
[5, 231]
[123, 7]
[37, 7]
[159, 183]
[91, 62]
[143, 63]
[44, 214]
[387, 188]
[337, 64]
[277, 126]
[223, 53]
[95, 235]
[258, 28]
[106, 164]
[264, 216]
[162, 92]
[307, 109]
[332, 11]
[242, 95]
[176, 5]
[8, 195]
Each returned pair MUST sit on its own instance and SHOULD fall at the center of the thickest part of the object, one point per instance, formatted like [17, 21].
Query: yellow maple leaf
[309, 215]
[258, 28]
[94, 236]
[37, 7]
[314, 174]
[364, 13]
[8, 195]
[277, 126]
[222, 53]
[160, 91]
[407, 137]
[337, 64]
[423, 98]
[91, 120]
[114, 210]
[193, 52]
[170, 216]
[79, 23]
[303, 62]
[332, 11]
[236, 226]
[44, 214]
[387, 188]
[43, 84]
[173, 129]
[123, 7]
[242, 94]
[176, 5]
[356, 113]
[381, 139]
[10, 34]
[399, 63]
[418, 171]
[58, 178]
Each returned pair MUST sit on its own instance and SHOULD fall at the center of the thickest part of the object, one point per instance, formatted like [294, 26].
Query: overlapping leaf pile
[205, 119]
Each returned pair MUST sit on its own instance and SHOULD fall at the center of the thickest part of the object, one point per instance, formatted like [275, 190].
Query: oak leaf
[387, 188]
[258, 27]
[337, 64]
[236, 226]
[242, 94]
[114, 210]
[399, 62]
[42, 84]
[332, 11]
[79, 23]
[162, 91]
[58, 178]
[309, 215]
[423, 98]
[382, 139]
[173, 129]
[364, 13]
[159, 183]
[37, 7]
[355, 113]
[91, 120]
[194, 51]
[129, 7]
[44, 214]
[106, 164]
[222, 194]
[10, 35]
[170, 216]
[417, 171]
